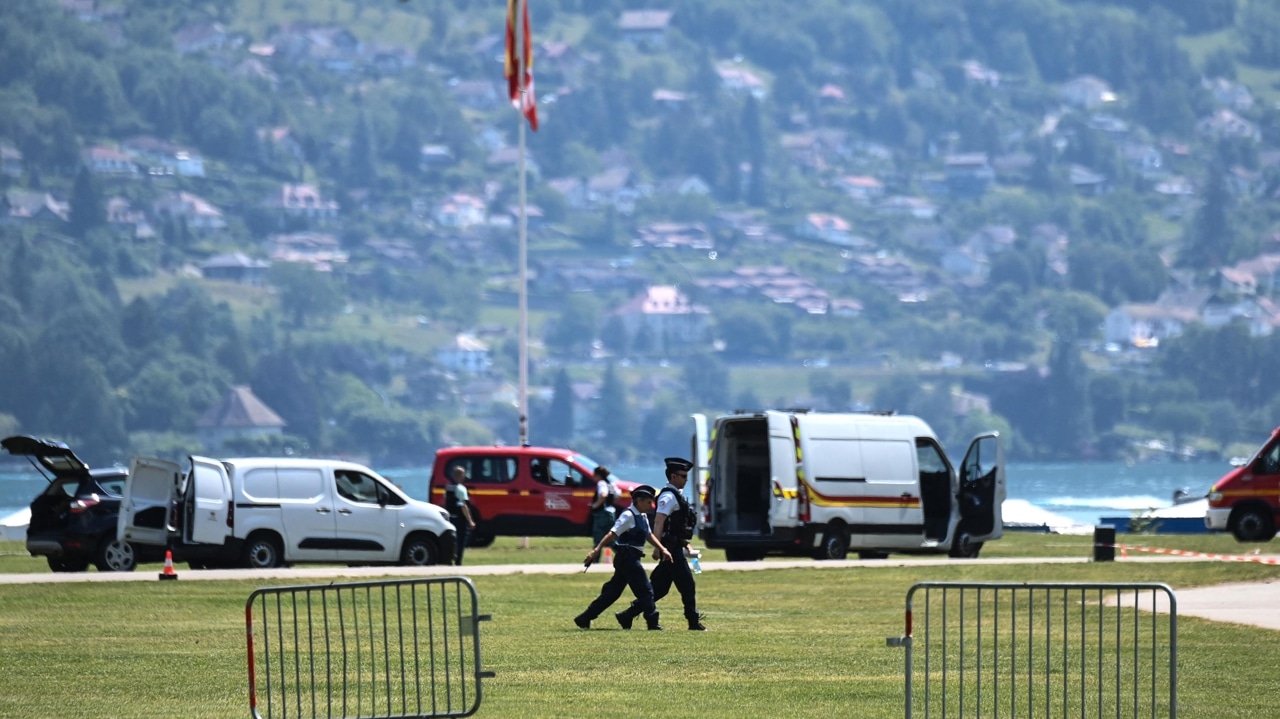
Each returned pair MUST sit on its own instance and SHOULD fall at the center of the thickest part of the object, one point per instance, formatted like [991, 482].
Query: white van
[824, 484]
[266, 512]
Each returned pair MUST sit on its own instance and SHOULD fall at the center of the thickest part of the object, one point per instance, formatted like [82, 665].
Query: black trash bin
[1104, 543]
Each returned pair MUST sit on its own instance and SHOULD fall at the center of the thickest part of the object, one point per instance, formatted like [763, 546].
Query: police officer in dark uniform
[674, 523]
[629, 533]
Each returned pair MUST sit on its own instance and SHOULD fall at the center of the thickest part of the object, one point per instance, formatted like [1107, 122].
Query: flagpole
[521, 53]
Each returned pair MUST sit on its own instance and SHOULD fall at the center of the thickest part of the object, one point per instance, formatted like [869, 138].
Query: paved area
[1250, 603]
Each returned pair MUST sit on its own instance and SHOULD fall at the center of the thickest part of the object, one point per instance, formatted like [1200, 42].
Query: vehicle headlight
[1214, 497]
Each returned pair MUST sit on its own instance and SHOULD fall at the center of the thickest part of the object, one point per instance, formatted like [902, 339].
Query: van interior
[935, 489]
[742, 492]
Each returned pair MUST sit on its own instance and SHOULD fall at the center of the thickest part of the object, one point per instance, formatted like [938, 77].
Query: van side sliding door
[208, 499]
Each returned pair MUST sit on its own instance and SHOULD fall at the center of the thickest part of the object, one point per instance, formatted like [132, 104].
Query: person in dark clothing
[628, 535]
[603, 513]
[455, 503]
[674, 523]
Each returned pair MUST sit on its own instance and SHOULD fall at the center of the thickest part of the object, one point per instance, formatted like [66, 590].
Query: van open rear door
[700, 455]
[149, 493]
[208, 502]
[982, 488]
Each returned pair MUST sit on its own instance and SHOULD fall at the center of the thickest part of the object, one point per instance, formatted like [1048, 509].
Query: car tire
[1252, 524]
[262, 551]
[62, 565]
[115, 556]
[964, 547]
[835, 543]
[420, 550]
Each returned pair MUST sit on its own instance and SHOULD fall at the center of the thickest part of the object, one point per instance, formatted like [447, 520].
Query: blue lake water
[1082, 492]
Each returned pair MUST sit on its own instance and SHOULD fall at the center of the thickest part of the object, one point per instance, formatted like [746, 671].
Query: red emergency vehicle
[1246, 501]
[524, 491]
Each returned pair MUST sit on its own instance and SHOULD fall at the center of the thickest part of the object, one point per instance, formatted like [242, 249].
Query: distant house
[1088, 182]
[826, 227]
[615, 186]
[1228, 94]
[320, 250]
[902, 206]
[969, 174]
[108, 161]
[304, 201]
[863, 189]
[645, 27]
[179, 160]
[1086, 91]
[475, 94]
[1225, 123]
[199, 214]
[465, 354]
[460, 211]
[663, 321]
[239, 415]
[741, 81]
[235, 267]
[1146, 325]
[19, 206]
[675, 235]
[432, 155]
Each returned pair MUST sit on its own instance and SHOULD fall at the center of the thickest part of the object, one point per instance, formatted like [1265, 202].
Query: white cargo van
[266, 512]
[824, 484]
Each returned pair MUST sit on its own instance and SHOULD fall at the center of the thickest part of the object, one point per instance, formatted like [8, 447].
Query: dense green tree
[614, 409]
[706, 381]
[1068, 425]
[305, 294]
[1208, 242]
[278, 382]
[171, 391]
[88, 209]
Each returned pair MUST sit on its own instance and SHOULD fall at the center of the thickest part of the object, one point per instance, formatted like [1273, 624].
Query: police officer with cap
[674, 523]
[629, 533]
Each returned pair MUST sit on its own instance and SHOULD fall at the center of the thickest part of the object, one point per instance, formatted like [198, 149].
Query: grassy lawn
[783, 642]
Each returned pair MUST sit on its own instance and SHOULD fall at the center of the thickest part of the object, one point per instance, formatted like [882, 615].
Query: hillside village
[826, 201]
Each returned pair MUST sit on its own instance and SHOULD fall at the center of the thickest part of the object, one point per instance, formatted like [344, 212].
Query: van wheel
[835, 543]
[115, 556]
[261, 551]
[420, 550]
[1252, 524]
[62, 564]
[964, 547]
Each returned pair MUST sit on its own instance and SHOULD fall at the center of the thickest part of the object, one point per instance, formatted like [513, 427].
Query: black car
[73, 521]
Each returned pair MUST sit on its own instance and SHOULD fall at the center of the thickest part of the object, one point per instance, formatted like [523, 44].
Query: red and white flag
[516, 88]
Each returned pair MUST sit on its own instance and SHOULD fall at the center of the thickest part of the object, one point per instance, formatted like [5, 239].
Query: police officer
[602, 505]
[456, 500]
[628, 535]
[674, 524]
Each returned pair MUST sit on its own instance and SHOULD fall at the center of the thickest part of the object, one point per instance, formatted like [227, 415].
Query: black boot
[625, 618]
[652, 621]
[582, 622]
[695, 623]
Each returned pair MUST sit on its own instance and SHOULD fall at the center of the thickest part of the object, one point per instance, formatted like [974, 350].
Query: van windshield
[586, 462]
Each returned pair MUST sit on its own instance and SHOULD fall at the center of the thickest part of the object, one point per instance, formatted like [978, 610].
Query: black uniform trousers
[627, 571]
[463, 536]
[676, 572]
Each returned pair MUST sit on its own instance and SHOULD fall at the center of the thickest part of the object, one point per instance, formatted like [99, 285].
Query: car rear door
[208, 502]
[147, 506]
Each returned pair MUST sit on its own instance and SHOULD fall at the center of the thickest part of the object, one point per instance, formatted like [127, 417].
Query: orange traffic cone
[168, 572]
[608, 554]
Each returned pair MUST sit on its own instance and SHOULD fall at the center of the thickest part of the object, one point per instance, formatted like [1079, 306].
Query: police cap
[676, 464]
[644, 490]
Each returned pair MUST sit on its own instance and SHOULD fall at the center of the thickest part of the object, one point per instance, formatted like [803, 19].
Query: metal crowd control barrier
[991, 649]
[406, 648]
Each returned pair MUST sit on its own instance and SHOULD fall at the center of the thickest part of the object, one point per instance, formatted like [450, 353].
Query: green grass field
[783, 642]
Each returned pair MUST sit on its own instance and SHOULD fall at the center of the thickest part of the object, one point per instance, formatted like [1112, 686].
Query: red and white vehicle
[523, 491]
[1246, 500]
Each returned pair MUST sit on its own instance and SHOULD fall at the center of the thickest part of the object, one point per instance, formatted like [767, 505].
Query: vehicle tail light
[84, 504]
[231, 515]
[802, 495]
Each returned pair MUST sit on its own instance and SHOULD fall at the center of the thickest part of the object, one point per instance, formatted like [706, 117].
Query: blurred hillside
[1059, 219]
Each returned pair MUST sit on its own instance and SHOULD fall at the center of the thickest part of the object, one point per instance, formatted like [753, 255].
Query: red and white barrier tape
[1200, 555]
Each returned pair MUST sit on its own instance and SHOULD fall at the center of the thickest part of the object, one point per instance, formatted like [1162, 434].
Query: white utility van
[265, 512]
[824, 484]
